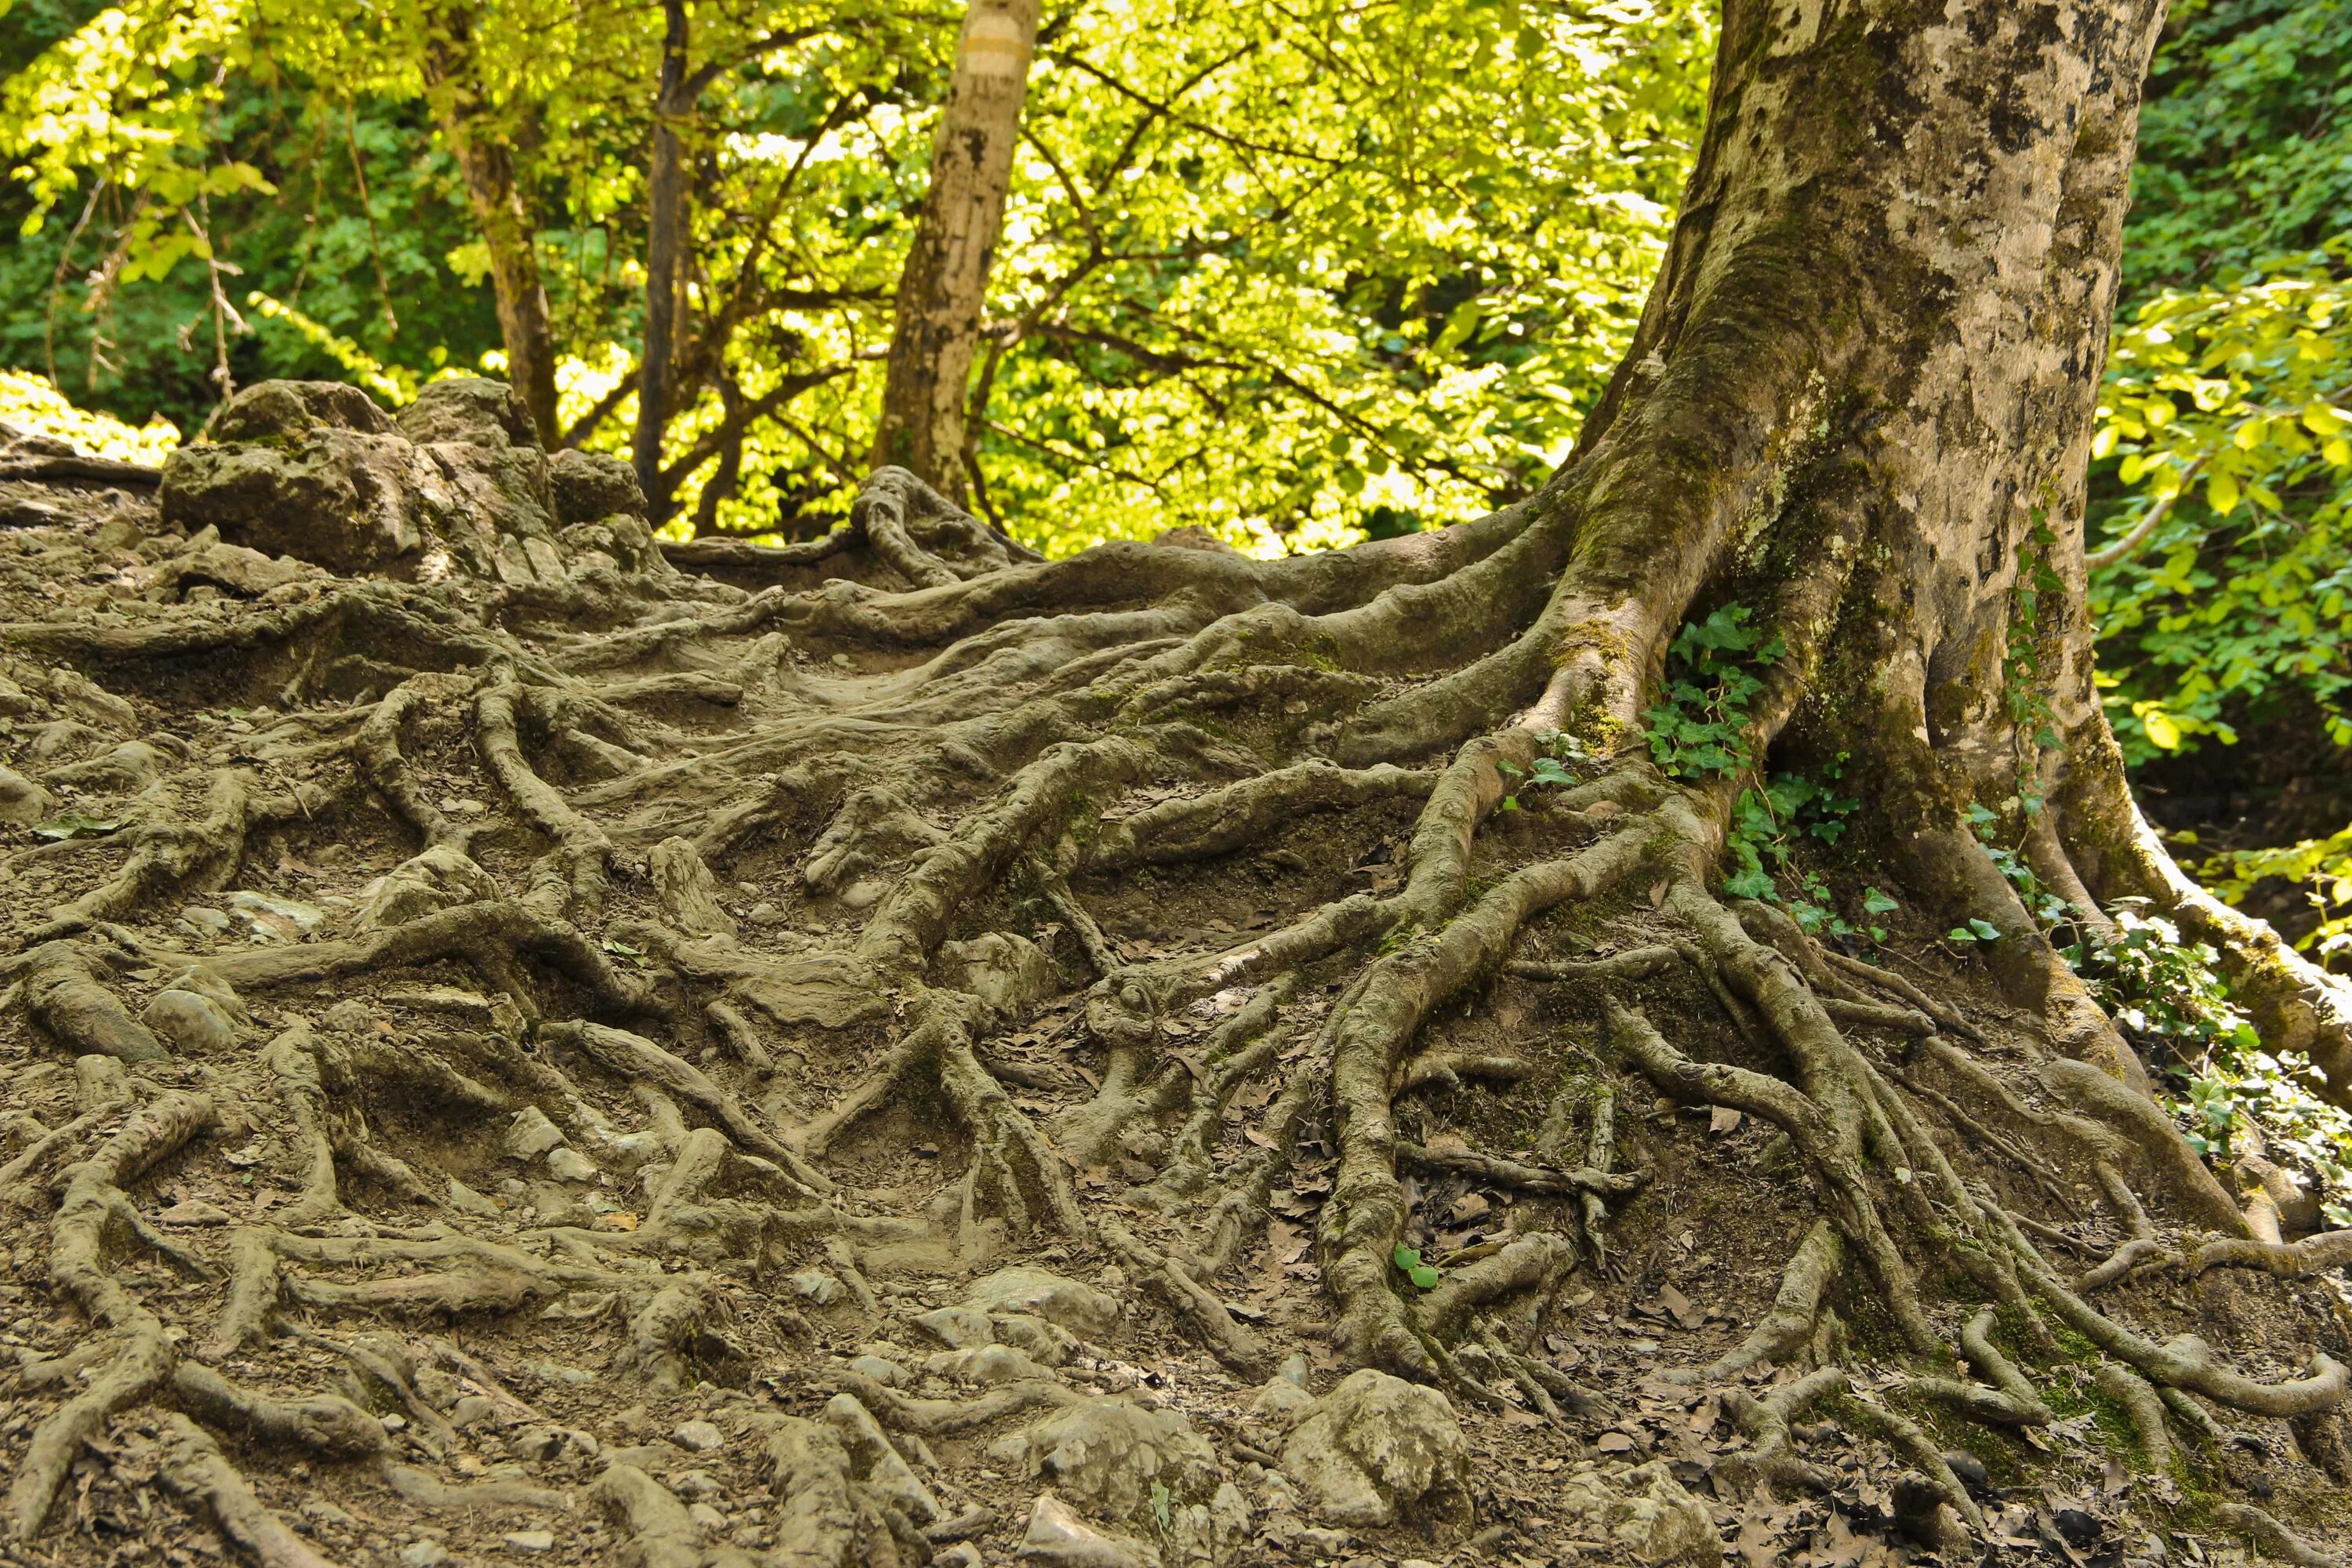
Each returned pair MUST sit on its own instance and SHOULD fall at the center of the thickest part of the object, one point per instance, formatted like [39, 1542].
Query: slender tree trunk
[665, 237]
[485, 160]
[945, 285]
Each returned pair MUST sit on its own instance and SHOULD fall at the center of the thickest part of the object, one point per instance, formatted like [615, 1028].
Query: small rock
[1377, 1448]
[439, 878]
[424, 1555]
[22, 800]
[472, 1410]
[571, 1165]
[698, 1437]
[206, 919]
[1111, 1452]
[1644, 1510]
[711, 1519]
[989, 1365]
[530, 1134]
[962, 1554]
[889, 1373]
[1081, 1308]
[190, 1022]
[764, 915]
[815, 1285]
[1057, 1538]
[194, 1211]
[1282, 1403]
[267, 912]
[466, 1200]
[530, 1540]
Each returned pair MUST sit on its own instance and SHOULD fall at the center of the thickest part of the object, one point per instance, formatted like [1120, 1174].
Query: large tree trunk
[945, 285]
[485, 162]
[887, 908]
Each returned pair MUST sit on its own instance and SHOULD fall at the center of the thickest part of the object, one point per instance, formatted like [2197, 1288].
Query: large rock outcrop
[454, 484]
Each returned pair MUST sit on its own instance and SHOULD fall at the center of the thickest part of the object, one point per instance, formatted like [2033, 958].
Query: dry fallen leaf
[1615, 1443]
[1679, 1305]
[1724, 1120]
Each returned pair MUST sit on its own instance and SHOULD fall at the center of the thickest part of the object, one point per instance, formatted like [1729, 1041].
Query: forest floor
[471, 1281]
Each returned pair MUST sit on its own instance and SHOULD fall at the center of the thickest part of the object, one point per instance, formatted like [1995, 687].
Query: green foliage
[2214, 1075]
[1767, 827]
[2225, 412]
[2246, 148]
[1549, 769]
[1698, 728]
[1408, 1261]
[1293, 274]
[2323, 867]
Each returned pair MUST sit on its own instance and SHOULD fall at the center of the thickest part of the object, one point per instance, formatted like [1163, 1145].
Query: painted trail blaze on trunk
[1162, 949]
[944, 288]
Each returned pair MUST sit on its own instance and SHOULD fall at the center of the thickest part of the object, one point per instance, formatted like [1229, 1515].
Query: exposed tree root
[779, 965]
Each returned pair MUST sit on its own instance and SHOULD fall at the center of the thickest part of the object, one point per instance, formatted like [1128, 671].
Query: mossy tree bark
[944, 288]
[1858, 406]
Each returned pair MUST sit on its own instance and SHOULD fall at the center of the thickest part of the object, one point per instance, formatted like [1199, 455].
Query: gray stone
[1081, 1308]
[590, 487]
[469, 410]
[988, 1364]
[190, 1022]
[279, 917]
[281, 409]
[1057, 1538]
[571, 1165]
[815, 1285]
[1376, 1450]
[698, 1437]
[530, 1134]
[22, 800]
[466, 1200]
[1644, 1510]
[439, 878]
[532, 1540]
[967, 1328]
[425, 1553]
[316, 472]
[1110, 1451]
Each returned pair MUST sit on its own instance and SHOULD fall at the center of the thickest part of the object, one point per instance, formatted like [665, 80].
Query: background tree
[943, 288]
